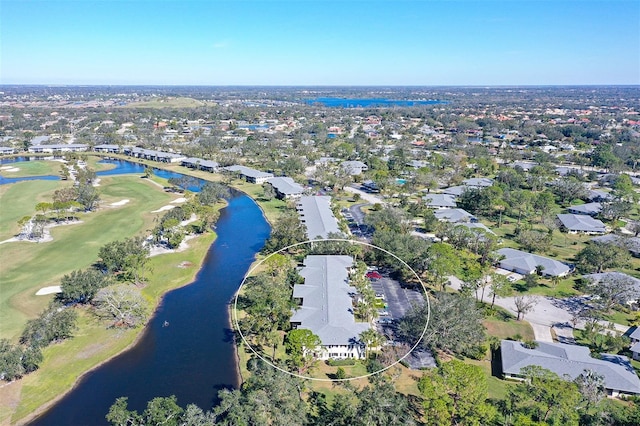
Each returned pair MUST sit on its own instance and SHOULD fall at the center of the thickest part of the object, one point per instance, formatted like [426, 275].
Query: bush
[476, 352]
[340, 362]
[373, 366]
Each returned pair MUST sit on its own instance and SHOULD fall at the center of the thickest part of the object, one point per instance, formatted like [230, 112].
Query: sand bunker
[120, 203]
[157, 250]
[9, 169]
[49, 290]
[179, 200]
[163, 208]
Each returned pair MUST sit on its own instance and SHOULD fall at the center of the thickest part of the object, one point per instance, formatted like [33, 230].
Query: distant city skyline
[320, 43]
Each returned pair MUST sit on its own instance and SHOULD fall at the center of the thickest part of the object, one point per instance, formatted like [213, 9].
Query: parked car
[374, 275]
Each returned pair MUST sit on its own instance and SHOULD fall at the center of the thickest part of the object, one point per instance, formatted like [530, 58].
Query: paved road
[357, 213]
[548, 313]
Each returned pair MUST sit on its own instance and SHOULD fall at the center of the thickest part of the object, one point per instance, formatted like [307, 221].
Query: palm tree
[371, 338]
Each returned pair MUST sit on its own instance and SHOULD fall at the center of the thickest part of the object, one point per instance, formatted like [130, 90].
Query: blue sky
[309, 42]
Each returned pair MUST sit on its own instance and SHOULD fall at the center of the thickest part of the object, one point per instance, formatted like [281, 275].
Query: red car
[374, 275]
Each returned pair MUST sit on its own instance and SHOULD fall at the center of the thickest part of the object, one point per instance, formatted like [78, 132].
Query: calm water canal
[192, 357]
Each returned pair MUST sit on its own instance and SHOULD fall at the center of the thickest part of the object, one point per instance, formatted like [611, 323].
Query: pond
[187, 348]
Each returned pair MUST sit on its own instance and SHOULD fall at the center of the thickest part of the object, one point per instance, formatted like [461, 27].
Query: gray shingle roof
[630, 243]
[478, 182]
[635, 334]
[570, 360]
[317, 217]
[439, 200]
[588, 208]
[455, 190]
[581, 223]
[523, 262]
[327, 308]
[476, 225]
[454, 215]
[615, 276]
[598, 195]
[249, 172]
[200, 162]
[286, 186]
[354, 167]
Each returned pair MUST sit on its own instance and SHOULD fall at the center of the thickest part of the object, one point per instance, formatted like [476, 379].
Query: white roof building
[575, 223]
[326, 306]
[570, 361]
[317, 217]
[286, 187]
[525, 263]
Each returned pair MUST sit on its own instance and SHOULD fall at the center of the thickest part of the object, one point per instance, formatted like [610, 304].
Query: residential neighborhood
[516, 224]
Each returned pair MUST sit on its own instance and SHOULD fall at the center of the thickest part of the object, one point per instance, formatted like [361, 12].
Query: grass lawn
[508, 329]
[19, 199]
[498, 388]
[33, 168]
[73, 247]
[65, 362]
[563, 246]
[93, 343]
[565, 288]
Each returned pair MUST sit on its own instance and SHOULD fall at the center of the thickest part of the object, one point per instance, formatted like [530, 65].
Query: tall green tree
[597, 257]
[443, 261]
[81, 286]
[543, 397]
[455, 324]
[456, 394]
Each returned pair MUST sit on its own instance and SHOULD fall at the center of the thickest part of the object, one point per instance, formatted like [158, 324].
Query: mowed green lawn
[27, 266]
[19, 199]
[33, 168]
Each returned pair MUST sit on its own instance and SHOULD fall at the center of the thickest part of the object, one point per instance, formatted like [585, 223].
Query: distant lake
[122, 167]
[371, 102]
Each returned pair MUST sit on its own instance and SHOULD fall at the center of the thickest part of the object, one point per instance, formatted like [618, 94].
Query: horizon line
[318, 85]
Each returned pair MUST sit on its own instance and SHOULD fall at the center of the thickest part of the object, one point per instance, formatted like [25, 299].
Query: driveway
[357, 213]
[548, 313]
[370, 198]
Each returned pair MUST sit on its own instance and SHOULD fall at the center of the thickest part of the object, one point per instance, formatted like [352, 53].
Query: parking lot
[399, 300]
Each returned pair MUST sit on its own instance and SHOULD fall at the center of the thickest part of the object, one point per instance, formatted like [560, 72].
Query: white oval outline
[237, 325]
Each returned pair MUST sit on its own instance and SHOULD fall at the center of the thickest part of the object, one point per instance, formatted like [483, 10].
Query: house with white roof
[440, 201]
[575, 223]
[590, 209]
[286, 187]
[7, 150]
[200, 164]
[108, 148]
[317, 217]
[326, 307]
[249, 174]
[478, 182]
[454, 215]
[626, 241]
[618, 279]
[153, 155]
[569, 361]
[58, 148]
[354, 168]
[525, 263]
[635, 344]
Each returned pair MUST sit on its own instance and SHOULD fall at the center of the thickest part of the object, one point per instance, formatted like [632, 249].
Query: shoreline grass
[24, 399]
